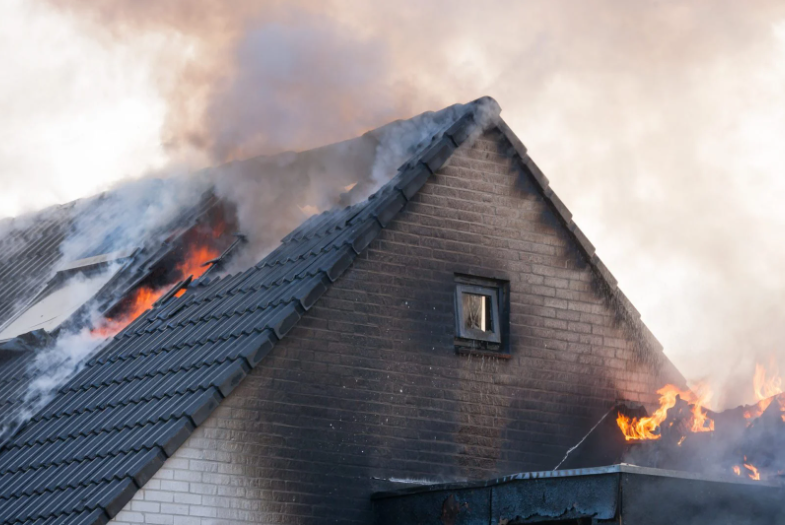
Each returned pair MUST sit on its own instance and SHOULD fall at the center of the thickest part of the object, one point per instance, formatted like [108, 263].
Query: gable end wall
[368, 387]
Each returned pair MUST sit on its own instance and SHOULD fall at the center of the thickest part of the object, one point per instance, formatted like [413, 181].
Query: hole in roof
[189, 252]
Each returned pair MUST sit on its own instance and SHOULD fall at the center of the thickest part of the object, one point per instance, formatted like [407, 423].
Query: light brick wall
[368, 386]
[201, 484]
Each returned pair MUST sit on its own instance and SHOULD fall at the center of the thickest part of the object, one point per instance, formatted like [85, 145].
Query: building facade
[374, 388]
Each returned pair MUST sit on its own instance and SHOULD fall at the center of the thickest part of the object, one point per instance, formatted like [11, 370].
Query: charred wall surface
[368, 387]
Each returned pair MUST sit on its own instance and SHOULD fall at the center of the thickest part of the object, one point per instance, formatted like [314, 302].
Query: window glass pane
[477, 312]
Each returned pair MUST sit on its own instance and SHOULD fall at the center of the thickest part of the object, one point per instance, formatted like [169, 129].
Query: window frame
[493, 336]
[500, 284]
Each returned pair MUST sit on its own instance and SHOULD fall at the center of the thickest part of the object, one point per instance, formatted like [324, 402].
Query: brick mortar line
[506, 415]
[427, 464]
[599, 401]
[503, 385]
[465, 380]
[373, 249]
[521, 345]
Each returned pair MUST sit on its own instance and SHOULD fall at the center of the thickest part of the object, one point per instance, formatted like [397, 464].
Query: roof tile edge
[631, 314]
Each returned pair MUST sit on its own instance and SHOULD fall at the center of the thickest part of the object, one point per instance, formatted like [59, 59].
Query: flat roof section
[622, 494]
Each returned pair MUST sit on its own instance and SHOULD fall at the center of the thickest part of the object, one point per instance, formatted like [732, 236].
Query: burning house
[444, 322]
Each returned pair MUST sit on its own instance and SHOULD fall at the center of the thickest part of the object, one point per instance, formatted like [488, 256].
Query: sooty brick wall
[368, 387]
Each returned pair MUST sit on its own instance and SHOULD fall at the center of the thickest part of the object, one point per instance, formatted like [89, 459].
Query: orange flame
[766, 383]
[754, 474]
[143, 298]
[646, 428]
[757, 409]
[737, 470]
[194, 261]
[701, 422]
[766, 387]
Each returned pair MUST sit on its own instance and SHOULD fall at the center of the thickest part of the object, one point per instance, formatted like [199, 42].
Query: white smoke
[273, 195]
[62, 357]
[657, 123]
[53, 366]
[266, 194]
[128, 215]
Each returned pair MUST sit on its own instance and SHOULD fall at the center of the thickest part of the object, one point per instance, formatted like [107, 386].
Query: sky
[659, 123]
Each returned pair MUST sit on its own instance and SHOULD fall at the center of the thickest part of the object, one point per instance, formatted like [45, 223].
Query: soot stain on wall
[368, 387]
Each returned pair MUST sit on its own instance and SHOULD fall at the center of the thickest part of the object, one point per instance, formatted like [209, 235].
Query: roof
[27, 264]
[614, 494]
[111, 427]
[41, 258]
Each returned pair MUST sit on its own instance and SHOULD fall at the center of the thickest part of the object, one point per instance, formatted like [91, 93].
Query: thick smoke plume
[274, 194]
[259, 77]
[131, 215]
[265, 192]
[658, 124]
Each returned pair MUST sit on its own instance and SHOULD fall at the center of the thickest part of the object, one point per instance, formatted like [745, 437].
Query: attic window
[480, 313]
[478, 316]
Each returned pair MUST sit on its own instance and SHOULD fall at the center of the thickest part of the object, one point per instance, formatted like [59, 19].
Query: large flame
[195, 261]
[648, 427]
[701, 422]
[766, 383]
[143, 298]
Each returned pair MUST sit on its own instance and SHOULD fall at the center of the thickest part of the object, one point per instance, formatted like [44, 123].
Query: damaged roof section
[93, 298]
[99, 263]
[41, 251]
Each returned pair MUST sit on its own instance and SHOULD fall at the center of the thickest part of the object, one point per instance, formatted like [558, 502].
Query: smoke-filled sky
[658, 122]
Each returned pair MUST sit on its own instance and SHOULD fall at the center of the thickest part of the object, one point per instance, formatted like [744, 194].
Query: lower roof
[614, 494]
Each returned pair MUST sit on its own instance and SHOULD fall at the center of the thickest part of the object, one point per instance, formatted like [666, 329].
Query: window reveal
[477, 312]
[478, 320]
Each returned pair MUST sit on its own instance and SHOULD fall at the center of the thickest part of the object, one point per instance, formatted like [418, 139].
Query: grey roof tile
[411, 180]
[255, 347]
[583, 241]
[438, 153]
[80, 473]
[108, 497]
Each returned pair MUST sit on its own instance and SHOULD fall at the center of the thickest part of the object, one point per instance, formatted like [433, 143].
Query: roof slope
[81, 459]
[27, 255]
[42, 250]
